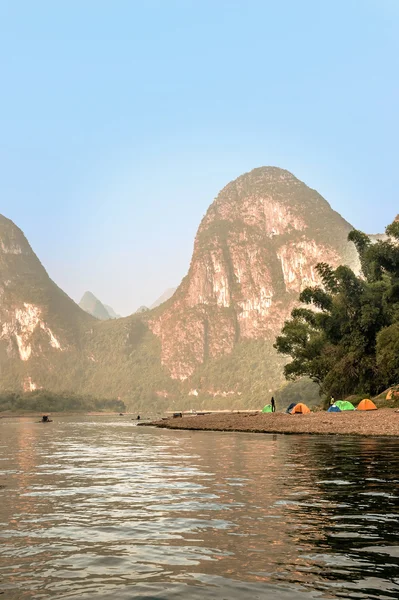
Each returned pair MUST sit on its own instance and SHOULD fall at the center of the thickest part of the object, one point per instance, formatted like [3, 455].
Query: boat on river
[46, 419]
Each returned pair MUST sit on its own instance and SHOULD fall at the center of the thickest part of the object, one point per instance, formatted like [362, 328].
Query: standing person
[272, 402]
[332, 401]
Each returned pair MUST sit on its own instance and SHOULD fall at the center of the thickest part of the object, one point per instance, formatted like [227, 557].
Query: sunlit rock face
[255, 250]
[39, 323]
[20, 327]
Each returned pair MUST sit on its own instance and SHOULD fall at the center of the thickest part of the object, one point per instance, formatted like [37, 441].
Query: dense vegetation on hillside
[248, 369]
[45, 401]
[347, 339]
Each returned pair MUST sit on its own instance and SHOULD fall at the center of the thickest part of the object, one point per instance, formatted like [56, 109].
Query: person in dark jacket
[272, 402]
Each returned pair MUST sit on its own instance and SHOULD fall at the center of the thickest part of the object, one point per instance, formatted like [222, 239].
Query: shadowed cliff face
[255, 250]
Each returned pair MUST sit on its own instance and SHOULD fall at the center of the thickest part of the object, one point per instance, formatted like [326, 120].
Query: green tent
[344, 405]
[267, 408]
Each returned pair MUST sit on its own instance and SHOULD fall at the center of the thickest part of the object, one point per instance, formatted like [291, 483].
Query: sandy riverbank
[377, 422]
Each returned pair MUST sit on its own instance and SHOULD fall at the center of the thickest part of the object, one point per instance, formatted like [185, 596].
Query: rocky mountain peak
[16, 255]
[93, 306]
[37, 319]
[274, 201]
[255, 250]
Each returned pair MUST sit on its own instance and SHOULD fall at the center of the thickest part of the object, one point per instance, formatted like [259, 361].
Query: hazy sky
[121, 121]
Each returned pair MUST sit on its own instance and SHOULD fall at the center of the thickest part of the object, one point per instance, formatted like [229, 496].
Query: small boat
[46, 419]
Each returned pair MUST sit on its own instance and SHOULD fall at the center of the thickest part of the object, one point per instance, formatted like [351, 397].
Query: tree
[346, 338]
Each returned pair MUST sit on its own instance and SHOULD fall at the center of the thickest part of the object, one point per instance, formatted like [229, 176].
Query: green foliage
[303, 390]
[248, 369]
[393, 229]
[348, 339]
[317, 296]
[362, 243]
[388, 353]
[45, 401]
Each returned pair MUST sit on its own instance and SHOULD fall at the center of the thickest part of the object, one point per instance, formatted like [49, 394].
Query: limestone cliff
[255, 250]
[39, 324]
[212, 341]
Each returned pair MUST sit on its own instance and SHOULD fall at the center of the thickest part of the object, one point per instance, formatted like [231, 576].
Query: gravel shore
[377, 422]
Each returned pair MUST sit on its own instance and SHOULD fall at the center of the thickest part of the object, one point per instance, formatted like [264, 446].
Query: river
[96, 507]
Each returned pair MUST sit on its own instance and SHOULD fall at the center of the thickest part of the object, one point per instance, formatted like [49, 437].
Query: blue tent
[291, 406]
[334, 408]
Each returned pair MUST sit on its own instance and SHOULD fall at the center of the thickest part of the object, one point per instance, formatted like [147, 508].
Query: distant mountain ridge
[97, 309]
[111, 312]
[164, 297]
[211, 342]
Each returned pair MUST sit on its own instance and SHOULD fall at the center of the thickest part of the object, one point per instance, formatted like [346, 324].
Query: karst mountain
[208, 344]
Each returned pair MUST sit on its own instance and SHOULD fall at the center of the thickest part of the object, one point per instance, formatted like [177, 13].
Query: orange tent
[367, 404]
[301, 409]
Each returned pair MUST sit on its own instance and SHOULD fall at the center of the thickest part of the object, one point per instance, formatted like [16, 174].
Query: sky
[120, 121]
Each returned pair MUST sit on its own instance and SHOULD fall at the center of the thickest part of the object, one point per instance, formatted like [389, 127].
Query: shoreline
[53, 413]
[381, 422]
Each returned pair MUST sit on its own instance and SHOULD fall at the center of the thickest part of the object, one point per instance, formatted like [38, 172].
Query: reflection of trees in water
[163, 505]
[296, 508]
[357, 478]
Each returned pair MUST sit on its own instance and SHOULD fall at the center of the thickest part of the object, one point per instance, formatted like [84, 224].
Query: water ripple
[100, 508]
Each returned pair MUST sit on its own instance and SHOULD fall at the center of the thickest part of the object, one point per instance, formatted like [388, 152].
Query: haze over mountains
[208, 344]
[96, 308]
[164, 297]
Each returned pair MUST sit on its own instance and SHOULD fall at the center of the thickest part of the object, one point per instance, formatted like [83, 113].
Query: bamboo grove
[345, 334]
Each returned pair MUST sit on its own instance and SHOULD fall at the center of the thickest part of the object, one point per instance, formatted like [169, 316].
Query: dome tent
[366, 404]
[267, 409]
[291, 406]
[344, 405]
[300, 409]
[334, 408]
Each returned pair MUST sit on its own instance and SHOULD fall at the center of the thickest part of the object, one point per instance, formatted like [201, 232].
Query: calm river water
[99, 508]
